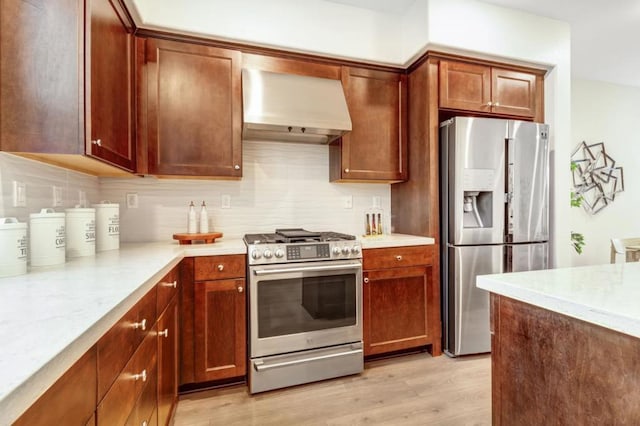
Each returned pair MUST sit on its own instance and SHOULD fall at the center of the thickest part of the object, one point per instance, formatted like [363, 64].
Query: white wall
[609, 113]
[284, 185]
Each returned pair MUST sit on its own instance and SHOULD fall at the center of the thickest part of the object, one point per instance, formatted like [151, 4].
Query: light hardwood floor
[409, 390]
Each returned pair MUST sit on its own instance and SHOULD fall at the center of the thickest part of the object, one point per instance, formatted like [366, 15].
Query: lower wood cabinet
[168, 362]
[401, 300]
[213, 325]
[71, 400]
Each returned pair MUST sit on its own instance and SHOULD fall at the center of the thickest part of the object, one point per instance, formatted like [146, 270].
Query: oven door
[301, 306]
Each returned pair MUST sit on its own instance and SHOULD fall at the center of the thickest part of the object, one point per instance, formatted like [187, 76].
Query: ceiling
[604, 33]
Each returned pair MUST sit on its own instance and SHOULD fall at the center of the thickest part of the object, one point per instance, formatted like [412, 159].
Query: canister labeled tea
[107, 226]
[81, 232]
[13, 246]
[47, 238]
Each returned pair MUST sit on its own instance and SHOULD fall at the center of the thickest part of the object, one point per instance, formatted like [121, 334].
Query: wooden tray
[209, 237]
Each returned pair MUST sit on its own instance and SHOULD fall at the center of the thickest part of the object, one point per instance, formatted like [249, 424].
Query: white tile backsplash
[40, 178]
[283, 185]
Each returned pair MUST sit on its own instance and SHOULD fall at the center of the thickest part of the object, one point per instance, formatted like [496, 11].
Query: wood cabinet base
[548, 368]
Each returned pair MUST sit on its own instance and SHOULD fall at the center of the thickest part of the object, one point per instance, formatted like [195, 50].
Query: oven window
[298, 305]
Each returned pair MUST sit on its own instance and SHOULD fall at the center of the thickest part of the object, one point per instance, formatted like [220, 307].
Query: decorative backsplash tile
[283, 185]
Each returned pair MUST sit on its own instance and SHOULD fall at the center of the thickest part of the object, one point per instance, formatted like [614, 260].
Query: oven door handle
[306, 269]
[262, 367]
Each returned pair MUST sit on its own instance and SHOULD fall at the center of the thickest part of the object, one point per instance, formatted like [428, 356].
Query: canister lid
[46, 214]
[11, 223]
[80, 210]
[104, 204]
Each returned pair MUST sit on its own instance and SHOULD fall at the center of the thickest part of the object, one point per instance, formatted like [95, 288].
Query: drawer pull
[398, 258]
[142, 325]
[164, 333]
[142, 376]
[97, 142]
[172, 285]
[145, 423]
[240, 289]
[221, 267]
[366, 280]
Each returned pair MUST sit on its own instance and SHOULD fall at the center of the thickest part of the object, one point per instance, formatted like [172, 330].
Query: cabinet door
[376, 148]
[109, 84]
[513, 93]
[193, 109]
[41, 97]
[220, 329]
[395, 304]
[465, 86]
[167, 362]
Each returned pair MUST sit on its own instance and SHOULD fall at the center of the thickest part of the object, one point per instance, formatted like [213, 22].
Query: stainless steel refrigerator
[495, 216]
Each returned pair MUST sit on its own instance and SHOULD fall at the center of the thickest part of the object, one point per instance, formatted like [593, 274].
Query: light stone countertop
[52, 315]
[605, 295]
[394, 240]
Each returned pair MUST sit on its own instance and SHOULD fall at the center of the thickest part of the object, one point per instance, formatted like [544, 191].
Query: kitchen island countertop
[604, 295]
[52, 315]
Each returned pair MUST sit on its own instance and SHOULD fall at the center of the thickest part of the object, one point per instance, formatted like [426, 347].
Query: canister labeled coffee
[107, 226]
[47, 238]
[81, 232]
[13, 246]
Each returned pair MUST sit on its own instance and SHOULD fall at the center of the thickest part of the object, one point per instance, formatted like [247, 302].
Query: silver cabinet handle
[164, 333]
[221, 267]
[97, 142]
[236, 167]
[142, 325]
[366, 280]
[398, 258]
[145, 423]
[489, 103]
[172, 285]
[346, 170]
[496, 104]
[142, 376]
[240, 289]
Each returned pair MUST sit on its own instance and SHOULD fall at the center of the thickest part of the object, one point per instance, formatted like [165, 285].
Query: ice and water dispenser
[477, 201]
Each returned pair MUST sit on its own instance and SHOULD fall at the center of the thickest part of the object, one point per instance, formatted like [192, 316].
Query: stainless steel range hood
[293, 108]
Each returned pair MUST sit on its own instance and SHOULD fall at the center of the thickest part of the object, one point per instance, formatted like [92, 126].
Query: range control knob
[279, 253]
[346, 250]
[267, 254]
[355, 250]
[256, 254]
[337, 251]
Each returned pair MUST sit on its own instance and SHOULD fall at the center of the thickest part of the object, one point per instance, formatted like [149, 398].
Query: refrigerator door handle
[510, 186]
[508, 258]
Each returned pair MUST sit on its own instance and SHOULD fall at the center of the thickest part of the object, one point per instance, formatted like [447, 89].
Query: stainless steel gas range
[305, 307]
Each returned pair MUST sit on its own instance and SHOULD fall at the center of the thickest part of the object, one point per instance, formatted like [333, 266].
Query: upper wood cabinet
[488, 89]
[66, 80]
[190, 109]
[376, 148]
[109, 84]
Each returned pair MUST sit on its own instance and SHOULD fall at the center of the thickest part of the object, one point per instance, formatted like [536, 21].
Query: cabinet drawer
[118, 344]
[69, 401]
[167, 288]
[396, 257]
[119, 403]
[219, 267]
[146, 404]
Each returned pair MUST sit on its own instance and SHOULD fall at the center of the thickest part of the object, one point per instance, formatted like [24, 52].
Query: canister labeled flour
[81, 232]
[13, 246]
[46, 238]
[107, 226]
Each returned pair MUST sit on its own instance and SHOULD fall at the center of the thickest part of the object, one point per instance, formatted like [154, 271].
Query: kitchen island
[566, 345]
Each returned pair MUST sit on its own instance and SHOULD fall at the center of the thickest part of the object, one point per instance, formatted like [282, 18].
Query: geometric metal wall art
[595, 176]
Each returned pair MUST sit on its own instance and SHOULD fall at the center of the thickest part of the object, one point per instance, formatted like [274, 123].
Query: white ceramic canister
[107, 226]
[81, 231]
[46, 238]
[13, 247]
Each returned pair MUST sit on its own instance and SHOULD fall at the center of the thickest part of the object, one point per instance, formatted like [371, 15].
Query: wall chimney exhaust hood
[293, 108]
